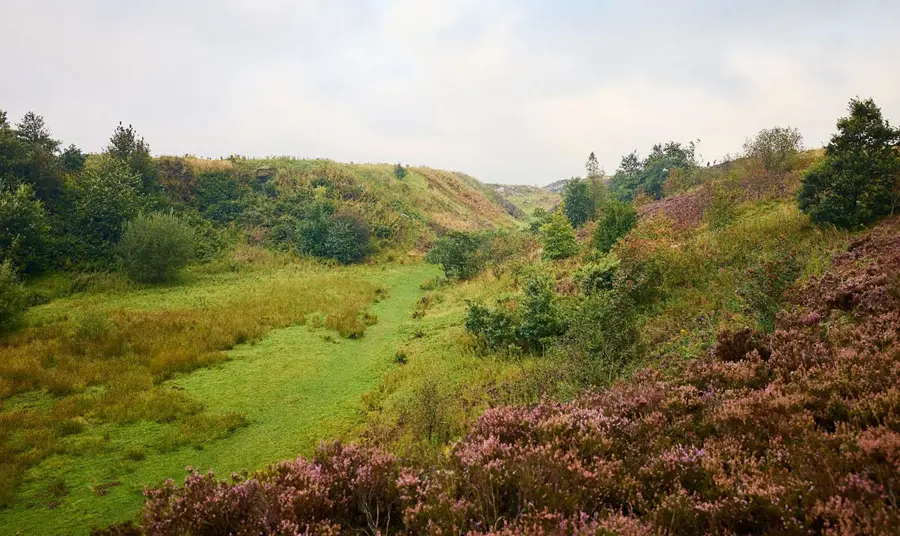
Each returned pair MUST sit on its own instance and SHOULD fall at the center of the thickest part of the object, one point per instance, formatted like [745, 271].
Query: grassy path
[297, 386]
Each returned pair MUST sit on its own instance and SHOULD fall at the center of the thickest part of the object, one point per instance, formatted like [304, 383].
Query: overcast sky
[515, 91]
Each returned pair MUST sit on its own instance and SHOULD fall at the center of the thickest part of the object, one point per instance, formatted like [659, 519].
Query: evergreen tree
[859, 179]
[578, 202]
[125, 146]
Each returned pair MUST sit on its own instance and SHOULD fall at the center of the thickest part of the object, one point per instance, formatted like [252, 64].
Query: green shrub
[13, 299]
[400, 171]
[559, 238]
[603, 338]
[859, 179]
[578, 202]
[720, 206]
[597, 276]
[617, 219]
[153, 248]
[23, 228]
[347, 238]
[775, 148]
[764, 287]
[494, 328]
[461, 255]
[540, 314]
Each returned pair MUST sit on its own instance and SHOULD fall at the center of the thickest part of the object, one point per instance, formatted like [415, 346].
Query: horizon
[509, 93]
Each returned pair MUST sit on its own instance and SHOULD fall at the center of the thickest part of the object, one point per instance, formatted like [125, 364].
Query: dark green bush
[153, 248]
[616, 220]
[603, 338]
[347, 238]
[578, 202]
[23, 229]
[764, 287]
[859, 179]
[461, 255]
[13, 299]
[597, 276]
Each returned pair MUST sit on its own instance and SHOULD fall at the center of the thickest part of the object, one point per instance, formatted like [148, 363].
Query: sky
[509, 91]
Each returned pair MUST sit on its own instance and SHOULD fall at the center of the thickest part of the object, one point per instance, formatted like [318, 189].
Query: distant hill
[527, 198]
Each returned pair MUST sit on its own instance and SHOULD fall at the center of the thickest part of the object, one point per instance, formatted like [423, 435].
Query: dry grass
[105, 365]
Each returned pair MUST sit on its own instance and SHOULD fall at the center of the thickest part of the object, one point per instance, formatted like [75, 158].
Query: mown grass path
[297, 386]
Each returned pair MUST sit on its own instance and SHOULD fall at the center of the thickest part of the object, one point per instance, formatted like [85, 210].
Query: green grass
[268, 400]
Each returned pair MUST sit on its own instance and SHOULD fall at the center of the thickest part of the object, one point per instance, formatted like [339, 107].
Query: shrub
[616, 220]
[540, 314]
[775, 148]
[859, 179]
[719, 205]
[23, 229]
[764, 287]
[494, 328]
[13, 299]
[153, 248]
[400, 171]
[461, 255]
[597, 276]
[558, 238]
[578, 202]
[347, 238]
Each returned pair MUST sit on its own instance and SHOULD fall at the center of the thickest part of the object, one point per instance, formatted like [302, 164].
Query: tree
[23, 229]
[12, 298]
[155, 247]
[72, 159]
[578, 203]
[616, 220]
[103, 199]
[461, 255]
[775, 148]
[400, 171]
[540, 315]
[32, 131]
[127, 147]
[592, 167]
[347, 238]
[859, 179]
[649, 175]
[559, 238]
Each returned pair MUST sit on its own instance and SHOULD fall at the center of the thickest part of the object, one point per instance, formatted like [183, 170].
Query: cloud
[509, 91]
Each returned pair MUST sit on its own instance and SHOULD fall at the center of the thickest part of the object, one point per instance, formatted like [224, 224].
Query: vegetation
[775, 148]
[616, 220]
[12, 298]
[703, 352]
[153, 248]
[859, 179]
[649, 175]
[558, 238]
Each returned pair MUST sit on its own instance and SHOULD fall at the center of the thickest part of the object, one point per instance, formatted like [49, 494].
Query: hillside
[527, 198]
[405, 213]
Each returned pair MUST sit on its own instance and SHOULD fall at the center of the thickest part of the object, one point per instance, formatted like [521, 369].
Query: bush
[859, 179]
[559, 238]
[597, 276]
[461, 255]
[617, 219]
[400, 171]
[775, 148]
[764, 287]
[578, 202]
[153, 248]
[13, 299]
[347, 238]
[23, 229]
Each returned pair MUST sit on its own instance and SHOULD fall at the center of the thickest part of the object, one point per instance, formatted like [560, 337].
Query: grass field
[281, 388]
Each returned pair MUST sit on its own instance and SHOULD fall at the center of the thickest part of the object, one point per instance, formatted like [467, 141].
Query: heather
[793, 432]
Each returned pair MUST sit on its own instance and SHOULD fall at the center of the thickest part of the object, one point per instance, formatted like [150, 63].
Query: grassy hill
[405, 213]
[528, 198]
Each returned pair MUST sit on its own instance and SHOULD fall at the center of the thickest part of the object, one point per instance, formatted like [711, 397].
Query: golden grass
[106, 365]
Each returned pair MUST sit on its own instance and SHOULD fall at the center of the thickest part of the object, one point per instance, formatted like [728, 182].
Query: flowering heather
[684, 210]
[794, 432]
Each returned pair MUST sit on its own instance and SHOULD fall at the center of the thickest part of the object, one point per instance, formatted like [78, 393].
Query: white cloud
[508, 91]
